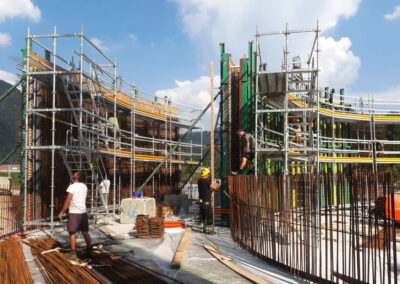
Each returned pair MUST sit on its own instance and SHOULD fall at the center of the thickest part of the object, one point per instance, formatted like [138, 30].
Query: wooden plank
[229, 262]
[39, 66]
[212, 144]
[178, 259]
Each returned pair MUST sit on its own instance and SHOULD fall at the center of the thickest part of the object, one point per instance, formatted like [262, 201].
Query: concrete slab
[201, 267]
[157, 254]
[131, 208]
[223, 241]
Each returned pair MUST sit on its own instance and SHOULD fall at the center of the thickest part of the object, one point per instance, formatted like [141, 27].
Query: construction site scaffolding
[95, 95]
[306, 107]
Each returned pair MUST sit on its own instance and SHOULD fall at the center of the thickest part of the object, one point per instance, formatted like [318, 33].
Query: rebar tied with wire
[335, 232]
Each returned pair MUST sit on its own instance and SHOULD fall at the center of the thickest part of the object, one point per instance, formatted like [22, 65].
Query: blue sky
[148, 42]
[167, 45]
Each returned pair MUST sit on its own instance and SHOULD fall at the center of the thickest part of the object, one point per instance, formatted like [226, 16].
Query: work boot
[208, 230]
[71, 255]
[89, 252]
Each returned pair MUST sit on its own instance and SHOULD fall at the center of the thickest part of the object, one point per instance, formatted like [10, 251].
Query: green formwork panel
[244, 98]
[224, 133]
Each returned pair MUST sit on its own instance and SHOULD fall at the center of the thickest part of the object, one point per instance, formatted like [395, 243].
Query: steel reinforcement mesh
[318, 229]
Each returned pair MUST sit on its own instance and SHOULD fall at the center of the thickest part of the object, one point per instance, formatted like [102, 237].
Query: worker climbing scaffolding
[250, 144]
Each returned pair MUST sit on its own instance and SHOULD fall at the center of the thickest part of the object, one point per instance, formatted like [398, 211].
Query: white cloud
[209, 22]
[133, 37]
[99, 43]
[384, 99]
[8, 77]
[5, 39]
[215, 21]
[388, 93]
[19, 8]
[395, 14]
[193, 93]
[339, 66]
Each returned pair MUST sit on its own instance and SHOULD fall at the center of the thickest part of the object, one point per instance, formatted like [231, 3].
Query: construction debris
[13, 268]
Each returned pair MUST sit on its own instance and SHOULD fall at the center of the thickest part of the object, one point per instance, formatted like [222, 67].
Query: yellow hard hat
[205, 172]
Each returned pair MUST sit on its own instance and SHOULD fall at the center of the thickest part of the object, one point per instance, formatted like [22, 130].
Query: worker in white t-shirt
[78, 218]
[105, 188]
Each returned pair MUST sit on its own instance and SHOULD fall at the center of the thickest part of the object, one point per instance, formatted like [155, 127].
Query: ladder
[80, 153]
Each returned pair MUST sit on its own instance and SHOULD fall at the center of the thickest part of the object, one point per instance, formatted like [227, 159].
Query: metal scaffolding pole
[115, 136]
[25, 132]
[317, 200]
[256, 111]
[133, 119]
[53, 132]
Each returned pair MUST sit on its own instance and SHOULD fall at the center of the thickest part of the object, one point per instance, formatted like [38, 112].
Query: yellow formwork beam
[346, 115]
[128, 154]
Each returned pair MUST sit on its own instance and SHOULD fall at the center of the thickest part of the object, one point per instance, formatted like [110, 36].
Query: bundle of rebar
[13, 268]
[56, 267]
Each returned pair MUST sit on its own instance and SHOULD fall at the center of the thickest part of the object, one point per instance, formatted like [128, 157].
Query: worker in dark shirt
[249, 151]
[205, 187]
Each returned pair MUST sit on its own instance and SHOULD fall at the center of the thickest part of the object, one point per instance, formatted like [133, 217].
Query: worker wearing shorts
[77, 222]
[78, 218]
[249, 151]
[250, 155]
